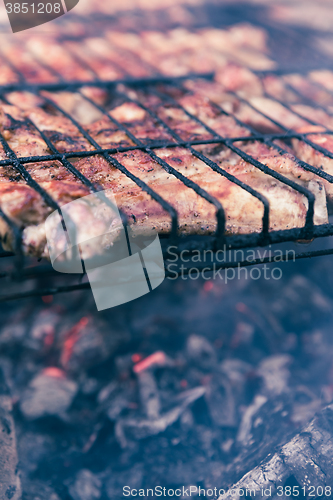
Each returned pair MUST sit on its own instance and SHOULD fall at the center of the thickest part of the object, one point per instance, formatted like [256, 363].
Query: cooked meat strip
[278, 88]
[310, 90]
[96, 54]
[235, 79]
[323, 77]
[54, 54]
[300, 148]
[25, 62]
[242, 210]
[316, 158]
[322, 121]
[206, 49]
[59, 130]
[117, 55]
[7, 74]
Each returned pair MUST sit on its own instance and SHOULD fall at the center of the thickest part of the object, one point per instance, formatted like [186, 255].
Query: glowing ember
[53, 371]
[72, 337]
[208, 286]
[158, 358]
[136, 358]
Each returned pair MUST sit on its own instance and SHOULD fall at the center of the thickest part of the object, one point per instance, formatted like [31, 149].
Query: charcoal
[206, 437]
[120, 403]
[89, 385]
[156, 360]
[36, 335]
[124, 365]
[242, 378]
[48, 395]
[140, 428]
[305, 405]
[275, 373]
[117, 479]
[201, 351]
[236, 370]
[12, 334]
[221, 403]
[243, 334]
[149, 396]
[88, 343]
[307, 457]
[43, 329]
[265, 425]
[244, 435]
[10, 487]
[115, 398]
[267, 475]
[87, 486]
[107, 392]
[38, 490]
[152, 403]
[16, 329]
[88, 350]
[186, 419]
[33, 448]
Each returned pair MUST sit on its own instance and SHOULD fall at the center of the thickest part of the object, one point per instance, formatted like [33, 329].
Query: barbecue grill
[203, 382]
[159, 84]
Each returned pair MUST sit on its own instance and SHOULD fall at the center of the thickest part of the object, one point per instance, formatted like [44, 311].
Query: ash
[198, 383]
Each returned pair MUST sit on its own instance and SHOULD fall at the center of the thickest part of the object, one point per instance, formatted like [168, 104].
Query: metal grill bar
[185, 270]
[70, 167]
[297, 113]
[268, 138]
[72, 86]
[158, 145]
[47, 198]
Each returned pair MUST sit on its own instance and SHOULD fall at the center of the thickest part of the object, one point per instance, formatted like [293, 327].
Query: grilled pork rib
[33, 126]
[243, 211]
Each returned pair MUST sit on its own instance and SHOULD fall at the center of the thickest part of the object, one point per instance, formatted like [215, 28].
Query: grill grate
[152, 86]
